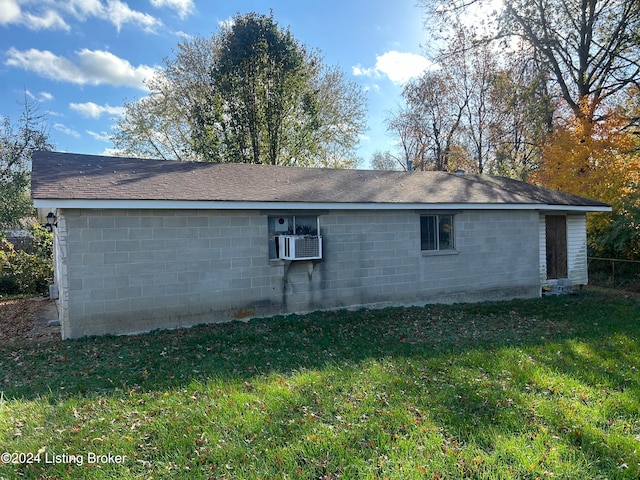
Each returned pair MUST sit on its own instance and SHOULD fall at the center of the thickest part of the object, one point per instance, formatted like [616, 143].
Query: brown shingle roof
[68, 176]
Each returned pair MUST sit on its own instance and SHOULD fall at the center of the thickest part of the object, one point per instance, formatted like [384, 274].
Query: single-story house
[144, 244]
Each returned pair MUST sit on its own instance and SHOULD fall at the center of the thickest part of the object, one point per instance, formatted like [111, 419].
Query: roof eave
[230, 205]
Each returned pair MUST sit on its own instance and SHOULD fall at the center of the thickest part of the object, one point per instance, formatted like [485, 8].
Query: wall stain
[244, 313]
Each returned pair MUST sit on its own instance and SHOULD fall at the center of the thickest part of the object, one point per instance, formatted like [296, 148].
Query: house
[146, 244]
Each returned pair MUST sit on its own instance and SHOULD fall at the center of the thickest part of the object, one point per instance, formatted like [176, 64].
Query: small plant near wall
[27, 270]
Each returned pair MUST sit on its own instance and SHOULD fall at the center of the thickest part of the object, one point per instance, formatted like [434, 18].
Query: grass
[543, 388]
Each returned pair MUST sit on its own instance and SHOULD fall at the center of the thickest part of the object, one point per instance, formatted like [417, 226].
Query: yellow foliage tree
[591, 159]
[598, 160]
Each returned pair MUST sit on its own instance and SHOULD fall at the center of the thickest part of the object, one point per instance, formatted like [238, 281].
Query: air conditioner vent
[299, 247]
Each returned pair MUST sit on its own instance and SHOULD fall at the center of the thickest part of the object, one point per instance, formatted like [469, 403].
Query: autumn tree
[590, 48]
[250, 93]
[412, 137]
[523, 116]
[477, 112]
[430, 125]
[586, 58]
[619, 236]
[161, 125]
[476, 70]
[598, 160]
[17, 142]
[590, 158]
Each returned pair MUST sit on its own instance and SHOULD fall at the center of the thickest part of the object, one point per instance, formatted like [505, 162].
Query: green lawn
[544, 388]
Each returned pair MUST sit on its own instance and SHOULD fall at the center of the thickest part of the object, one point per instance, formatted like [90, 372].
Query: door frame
[556, 246]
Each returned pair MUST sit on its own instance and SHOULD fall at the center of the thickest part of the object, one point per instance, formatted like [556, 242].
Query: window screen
[436, 232]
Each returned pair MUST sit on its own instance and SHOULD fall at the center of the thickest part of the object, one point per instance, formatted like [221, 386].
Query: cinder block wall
[137, 270]
[375, 258]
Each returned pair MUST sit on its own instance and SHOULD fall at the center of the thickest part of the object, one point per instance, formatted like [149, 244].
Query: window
[436, 232]
[290, 225]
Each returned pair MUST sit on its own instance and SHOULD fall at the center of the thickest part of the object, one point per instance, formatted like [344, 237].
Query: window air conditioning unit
[299, 247]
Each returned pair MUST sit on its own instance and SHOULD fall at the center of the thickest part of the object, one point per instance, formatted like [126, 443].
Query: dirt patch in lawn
[28, 319]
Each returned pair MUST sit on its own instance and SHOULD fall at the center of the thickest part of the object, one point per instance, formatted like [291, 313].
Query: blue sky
[81, 59]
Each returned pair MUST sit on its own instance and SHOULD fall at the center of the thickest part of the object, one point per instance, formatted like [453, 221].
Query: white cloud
[66, 130]
[93, 110]
[113, 152]
[183, 7]
[50, 15]
[399, 67]
[9, 12]
[183, 35]
[47, 19]
[42, 97]
[82, 9]
[374, 87]
[91, 67]
[119, 13]
[228, 23]
[359, 71]
[101, 137]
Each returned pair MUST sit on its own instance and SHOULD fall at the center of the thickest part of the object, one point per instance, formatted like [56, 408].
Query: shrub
[8, 285]
[28, 271]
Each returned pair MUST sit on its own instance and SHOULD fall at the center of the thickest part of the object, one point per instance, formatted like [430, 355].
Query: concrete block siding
[129, 271]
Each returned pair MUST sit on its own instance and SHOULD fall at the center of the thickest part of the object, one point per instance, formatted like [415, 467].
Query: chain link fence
[614, 273]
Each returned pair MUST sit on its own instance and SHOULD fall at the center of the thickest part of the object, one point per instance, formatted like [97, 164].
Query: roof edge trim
[224, 205]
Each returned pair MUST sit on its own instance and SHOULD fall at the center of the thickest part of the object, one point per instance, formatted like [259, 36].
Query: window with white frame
[436, 232]
[290, 225]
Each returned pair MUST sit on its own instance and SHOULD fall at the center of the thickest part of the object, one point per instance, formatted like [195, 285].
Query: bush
[8, 285]
[618, 235]
[28, 271]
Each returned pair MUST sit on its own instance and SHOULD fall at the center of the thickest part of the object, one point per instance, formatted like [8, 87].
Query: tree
[341, 118]
[480, 111]
[475, 69]
[260, 76]
[161, 125]
[17, 143]
[591, 159]
[586, 57]
[523, 115]
[385, 161]
[591, 47]
[431, 124]
[448, 119]
[587, 51]
[598, 160]
[250, 93]
[619, 237]
[412, 138]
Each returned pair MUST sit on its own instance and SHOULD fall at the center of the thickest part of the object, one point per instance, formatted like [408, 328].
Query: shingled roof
[67, 176]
